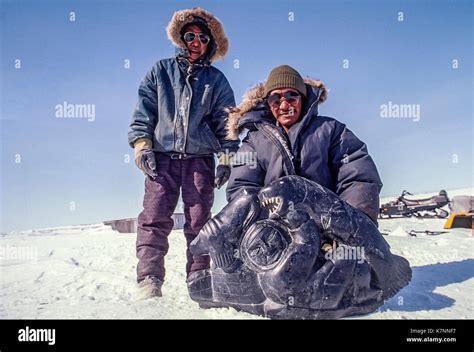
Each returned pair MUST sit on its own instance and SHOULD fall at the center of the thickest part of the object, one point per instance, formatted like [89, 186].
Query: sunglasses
[190, 36]
[274, 100]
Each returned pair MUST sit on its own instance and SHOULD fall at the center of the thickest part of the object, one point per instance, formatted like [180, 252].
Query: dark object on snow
[426, 232]
[427, 207]
[295, 250]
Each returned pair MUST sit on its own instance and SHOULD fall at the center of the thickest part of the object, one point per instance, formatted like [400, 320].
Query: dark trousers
[195, 177]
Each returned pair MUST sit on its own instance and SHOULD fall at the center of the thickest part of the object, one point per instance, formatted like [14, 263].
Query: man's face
[195, 46]
[285, 105]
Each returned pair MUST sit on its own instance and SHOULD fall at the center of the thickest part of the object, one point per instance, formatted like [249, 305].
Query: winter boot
[150, 287]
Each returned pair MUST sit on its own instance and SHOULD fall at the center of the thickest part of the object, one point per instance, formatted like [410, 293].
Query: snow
[88, 272]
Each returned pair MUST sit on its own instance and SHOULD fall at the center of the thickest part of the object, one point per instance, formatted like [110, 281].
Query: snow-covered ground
[84, 272]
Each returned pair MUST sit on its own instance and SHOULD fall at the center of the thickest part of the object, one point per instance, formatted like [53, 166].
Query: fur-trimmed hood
[183, 17]
[254, 99]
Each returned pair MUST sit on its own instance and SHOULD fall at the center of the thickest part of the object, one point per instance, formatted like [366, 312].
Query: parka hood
[254, 100]
[220, 43]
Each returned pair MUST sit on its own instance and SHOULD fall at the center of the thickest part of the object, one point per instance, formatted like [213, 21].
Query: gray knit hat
[285, 76]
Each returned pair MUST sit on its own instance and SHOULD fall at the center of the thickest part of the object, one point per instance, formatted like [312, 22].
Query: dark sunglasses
[190, 36]
[291, 97]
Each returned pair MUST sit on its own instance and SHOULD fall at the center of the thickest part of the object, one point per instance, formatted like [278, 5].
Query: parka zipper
[295, 148]
[188, 99]
[279, 141]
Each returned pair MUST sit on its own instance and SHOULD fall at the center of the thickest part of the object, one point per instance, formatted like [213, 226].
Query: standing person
[178, 125]
[287, 136]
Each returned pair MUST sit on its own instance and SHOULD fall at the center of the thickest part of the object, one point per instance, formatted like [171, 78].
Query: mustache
[287, 112]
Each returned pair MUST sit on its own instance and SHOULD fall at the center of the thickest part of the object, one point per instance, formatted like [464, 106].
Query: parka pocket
[210, 136]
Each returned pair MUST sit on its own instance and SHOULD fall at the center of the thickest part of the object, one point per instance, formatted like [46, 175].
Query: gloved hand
[148, 163]
[222, 175]
[145, 158]
[223, 169]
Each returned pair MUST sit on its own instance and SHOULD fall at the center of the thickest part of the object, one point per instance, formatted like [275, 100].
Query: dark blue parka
[320, 148]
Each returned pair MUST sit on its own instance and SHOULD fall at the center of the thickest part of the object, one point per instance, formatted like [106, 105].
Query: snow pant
[195, 177]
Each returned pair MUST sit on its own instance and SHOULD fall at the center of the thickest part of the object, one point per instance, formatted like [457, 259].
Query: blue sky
[73, 171]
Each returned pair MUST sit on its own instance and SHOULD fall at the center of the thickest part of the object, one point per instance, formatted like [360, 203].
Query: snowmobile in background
[426, 207]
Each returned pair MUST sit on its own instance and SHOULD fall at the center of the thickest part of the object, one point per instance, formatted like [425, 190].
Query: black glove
[148, 163]
[222, 175]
